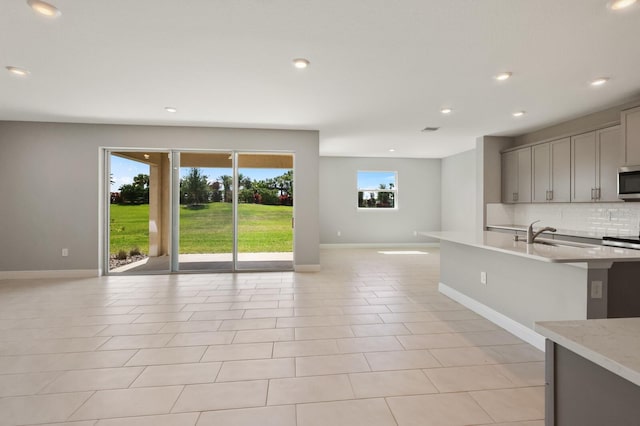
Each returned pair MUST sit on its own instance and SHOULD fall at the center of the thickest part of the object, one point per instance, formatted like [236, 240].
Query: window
[377, 190]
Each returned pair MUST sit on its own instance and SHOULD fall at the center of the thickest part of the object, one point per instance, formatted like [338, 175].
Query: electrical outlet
[483, 277]
[415, 233]
[65, 252]
[596, 289]
[339, 234]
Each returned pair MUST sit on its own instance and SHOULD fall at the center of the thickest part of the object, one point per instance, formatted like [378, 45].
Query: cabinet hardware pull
[551, 195]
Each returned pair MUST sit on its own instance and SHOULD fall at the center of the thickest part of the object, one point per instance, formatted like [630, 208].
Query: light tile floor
[367, 341]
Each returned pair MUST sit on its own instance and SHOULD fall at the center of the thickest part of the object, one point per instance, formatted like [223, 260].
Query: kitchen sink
[560, 243]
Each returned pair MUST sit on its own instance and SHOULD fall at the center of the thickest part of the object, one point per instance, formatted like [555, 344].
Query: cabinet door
[583, 166]
[560, 188]
[541, 173]
[509, 176]
[611, 153]
[524, 175]
[631, 135]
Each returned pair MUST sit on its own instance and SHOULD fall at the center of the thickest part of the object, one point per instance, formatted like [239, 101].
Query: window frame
[393, 190]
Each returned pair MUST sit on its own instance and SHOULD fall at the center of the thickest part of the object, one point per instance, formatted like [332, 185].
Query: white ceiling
[380, 71]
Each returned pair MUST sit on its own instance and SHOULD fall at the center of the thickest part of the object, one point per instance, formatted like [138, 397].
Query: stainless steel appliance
[629, 183]
[624, 242]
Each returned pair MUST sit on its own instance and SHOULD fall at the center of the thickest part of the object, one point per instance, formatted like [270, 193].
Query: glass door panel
[139, 212]
[205, 211]
[265, 211]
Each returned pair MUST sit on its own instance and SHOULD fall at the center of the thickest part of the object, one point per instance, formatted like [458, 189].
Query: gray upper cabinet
[630, 119]
[583, 166]
[551, 177]
[595, 157]
[541, 173]
[509, 176]
[516, 176]
[611, 153]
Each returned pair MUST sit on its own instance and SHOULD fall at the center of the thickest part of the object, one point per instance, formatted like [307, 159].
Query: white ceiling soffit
[380, 71]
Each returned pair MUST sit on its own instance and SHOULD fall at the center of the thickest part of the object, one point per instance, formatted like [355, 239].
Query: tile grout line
[81, 405]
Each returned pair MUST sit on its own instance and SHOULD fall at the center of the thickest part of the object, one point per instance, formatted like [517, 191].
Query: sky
[372, 180]
[124, 170]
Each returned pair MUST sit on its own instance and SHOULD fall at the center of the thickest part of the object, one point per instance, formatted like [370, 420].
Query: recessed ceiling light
[300, 63]
[620, 4]
[18, 71]
[518, 114]
[599, 81]
[503, 76]
[44, 8]
[446, 110]
[171, 109]
[392, 150]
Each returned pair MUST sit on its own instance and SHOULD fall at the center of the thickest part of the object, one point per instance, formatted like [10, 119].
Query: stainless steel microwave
[629, 183]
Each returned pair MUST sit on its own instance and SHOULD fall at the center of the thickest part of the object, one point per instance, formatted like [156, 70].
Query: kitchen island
[515, 284]
[592, 372]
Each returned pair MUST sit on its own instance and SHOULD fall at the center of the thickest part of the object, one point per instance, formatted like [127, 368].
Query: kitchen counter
[562, 253]
[516, 284]
[592, 372]
[613, 344]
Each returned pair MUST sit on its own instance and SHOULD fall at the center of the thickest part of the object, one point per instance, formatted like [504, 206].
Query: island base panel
[579, 392]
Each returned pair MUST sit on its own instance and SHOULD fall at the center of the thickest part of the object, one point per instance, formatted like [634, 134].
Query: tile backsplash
[597, 219]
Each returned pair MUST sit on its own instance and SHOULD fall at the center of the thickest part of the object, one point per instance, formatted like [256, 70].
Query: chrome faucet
[531, 236]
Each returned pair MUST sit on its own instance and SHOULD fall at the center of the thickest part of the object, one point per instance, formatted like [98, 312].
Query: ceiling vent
[430, 129]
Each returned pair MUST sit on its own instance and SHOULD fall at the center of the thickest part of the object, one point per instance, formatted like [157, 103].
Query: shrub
[135, 251]
[122, 255]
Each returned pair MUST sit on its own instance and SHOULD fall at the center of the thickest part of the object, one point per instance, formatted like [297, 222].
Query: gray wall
[418, 201]
[488, 174]
[50, 176]
[458, 208]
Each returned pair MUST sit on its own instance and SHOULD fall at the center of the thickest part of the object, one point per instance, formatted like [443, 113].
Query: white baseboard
[378, 245]
[513, 327]
[58, 273]
[306, 268]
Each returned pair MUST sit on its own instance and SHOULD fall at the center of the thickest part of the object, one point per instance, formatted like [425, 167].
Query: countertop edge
[597, 358]
[603, 262]
[501, 250]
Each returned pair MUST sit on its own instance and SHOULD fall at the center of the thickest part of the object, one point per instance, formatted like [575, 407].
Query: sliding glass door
[138, 212]
[205, 211]
[265, 211]
[177, 211]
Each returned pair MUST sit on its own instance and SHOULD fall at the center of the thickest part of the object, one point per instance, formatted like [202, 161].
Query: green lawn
[209, 230]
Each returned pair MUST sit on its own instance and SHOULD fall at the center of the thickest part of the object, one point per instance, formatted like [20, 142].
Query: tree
[284, 184]
[141, 180]
[216, 194]
[244, 182]
[195, 187]
[385, 198]
[227, 183]
[136, 192]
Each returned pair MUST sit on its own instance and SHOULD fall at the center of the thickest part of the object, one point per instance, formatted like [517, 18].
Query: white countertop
[613, 344]
[504, 243]
[562, 232]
